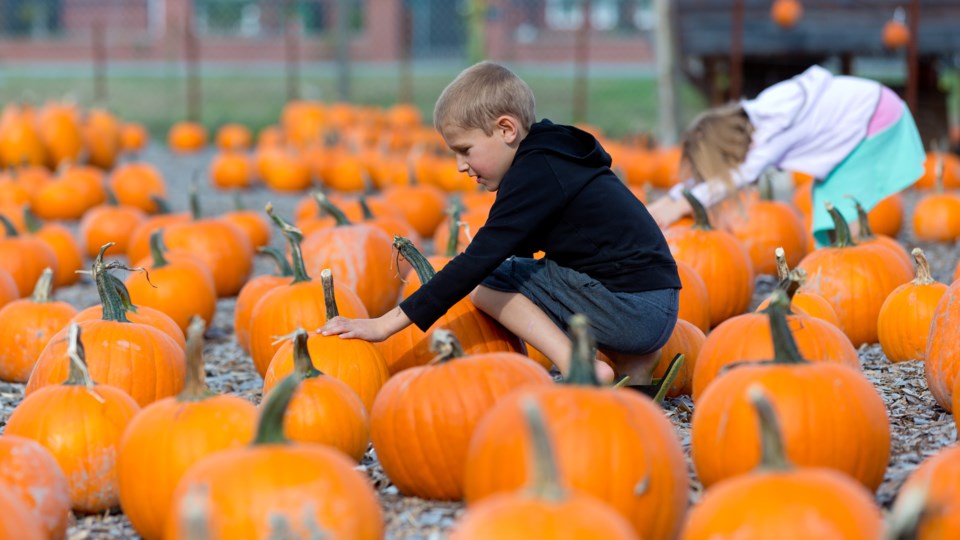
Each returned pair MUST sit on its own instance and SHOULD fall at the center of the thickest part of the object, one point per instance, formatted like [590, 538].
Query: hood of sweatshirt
[564, 141]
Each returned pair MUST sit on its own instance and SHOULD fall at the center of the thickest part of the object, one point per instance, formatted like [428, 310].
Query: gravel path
[920, 427]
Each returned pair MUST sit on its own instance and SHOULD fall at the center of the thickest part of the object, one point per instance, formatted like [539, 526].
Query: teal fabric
[880, 166]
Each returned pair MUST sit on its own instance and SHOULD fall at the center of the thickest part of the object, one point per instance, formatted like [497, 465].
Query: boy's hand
[665, 210]
[365, 329]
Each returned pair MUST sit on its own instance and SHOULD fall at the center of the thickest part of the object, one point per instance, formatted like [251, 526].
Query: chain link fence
[159, 61]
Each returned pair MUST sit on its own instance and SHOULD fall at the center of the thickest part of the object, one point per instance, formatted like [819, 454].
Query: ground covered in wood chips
[919, 426]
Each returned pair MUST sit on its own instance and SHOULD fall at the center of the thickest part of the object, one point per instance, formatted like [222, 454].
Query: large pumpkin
[942, 363]
[903, 324]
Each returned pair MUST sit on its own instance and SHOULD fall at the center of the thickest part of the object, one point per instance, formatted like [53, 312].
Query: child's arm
[377, 329]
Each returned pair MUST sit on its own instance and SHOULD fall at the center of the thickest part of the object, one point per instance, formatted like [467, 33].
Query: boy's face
[484, 157]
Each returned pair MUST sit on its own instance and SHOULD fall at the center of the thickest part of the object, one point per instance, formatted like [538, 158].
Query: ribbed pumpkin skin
[606, 443]
[251, 293]
[326, 410]
[138, 245]
[138, 359]
[25, 258]
[722, 262]
[65, 249]
[248, 488]
[32, 474]
[694, 298]
[688, 340]
[144, 315]
[107, 223]
[764, 226]
[422, 421]
[182, 289]
[422, 205]
[939, 476]
[356, 362]
[163, 441]
[942, 362]
[830, 416]
[16, 521]
[82, 434]
[27, 327]
[903, 324]
[886, 217]
[360, 257]
[807, 303]
[747, 338]
[511, 516]
[222, 246]
[478, 333]
[764, 505]
[284, 309]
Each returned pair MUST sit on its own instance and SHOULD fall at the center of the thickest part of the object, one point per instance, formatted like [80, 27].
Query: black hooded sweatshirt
[561, 197]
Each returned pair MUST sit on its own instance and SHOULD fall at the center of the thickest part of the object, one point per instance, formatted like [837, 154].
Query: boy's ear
[508, 127]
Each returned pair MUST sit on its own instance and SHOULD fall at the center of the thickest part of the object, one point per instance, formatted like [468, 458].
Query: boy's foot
[658, 388]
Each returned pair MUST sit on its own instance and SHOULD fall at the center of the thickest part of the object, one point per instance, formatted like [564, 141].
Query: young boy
[605, 256]
[854, 135]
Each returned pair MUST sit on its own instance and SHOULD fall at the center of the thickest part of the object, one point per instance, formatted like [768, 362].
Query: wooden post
[668, 118]
[913, 64]
[192, 55]
[343, 49]
[406, 54]
[581, 56]
[736, 50]
[98, 43]
[292, 53]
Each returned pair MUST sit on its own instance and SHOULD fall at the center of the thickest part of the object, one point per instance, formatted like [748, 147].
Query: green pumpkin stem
[194, 198]
[157, 248]
[446, 346]
[293, 237]
[270, 425]
[31, 221]
[785, 349]
[420, 264]
[783, 271]
[238, 205]
[161, 204]
[302, 363]
[195, 381]
[9, 230]
[863, 220]
[43, 288]
[331, 208]
[701, 220]
[283, 266]
[582, 354]
[78, 375]
[844, 238]
[114, 302]
[923, 275]
[111, 197]
[773, 456]
[365, 208]
[456, 214]
[329, 298]
[545, 483]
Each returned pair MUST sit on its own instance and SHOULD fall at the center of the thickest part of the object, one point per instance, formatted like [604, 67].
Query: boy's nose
[462, 165]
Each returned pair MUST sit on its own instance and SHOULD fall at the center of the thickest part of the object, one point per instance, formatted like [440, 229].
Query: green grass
[617, 104]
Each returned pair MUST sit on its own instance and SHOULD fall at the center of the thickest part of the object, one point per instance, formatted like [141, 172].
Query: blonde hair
[482, 93]
[716, 143]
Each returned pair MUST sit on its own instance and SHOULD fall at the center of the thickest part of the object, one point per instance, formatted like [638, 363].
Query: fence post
[406, 54]
[343, 50]
[582, 60]
[292, 50]
[98, 43]
[666, 74]
[193, 69]
[736, 50]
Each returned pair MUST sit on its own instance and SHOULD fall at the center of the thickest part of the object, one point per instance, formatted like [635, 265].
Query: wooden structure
[842, 30]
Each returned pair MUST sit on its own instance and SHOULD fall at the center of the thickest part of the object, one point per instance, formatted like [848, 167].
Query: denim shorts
[630, 323]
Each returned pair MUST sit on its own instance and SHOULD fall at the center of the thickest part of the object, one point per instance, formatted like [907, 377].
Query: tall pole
[343, 49]
[292, 53]
[193, 69]
[913, 64]
[98, 43]
[581, 62]
[668, 119]
[406, 54]
[736, 50]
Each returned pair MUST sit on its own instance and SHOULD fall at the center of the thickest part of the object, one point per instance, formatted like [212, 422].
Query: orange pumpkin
[138, 184]
[33, 475]
[16, 521]
[28, 325]
[422, 205]
[187, 137]
[253, 291]
[895, 34]
[252, 223]
[307, 486]
[133, 137]
[233, 136]
[886, 218]
[8, 288]
[24, 257]
[231, 170]
[143, 315]
[138, 244]
[80, 423]
[942, 360]
[167, 437]
[65, 249]
[903, 324]
[687, 340]
[806, 303]
[786, 13]
[59, 130]
[101, 132]
[761, 225]
[109, 222]
[694, 298]
[867, 237]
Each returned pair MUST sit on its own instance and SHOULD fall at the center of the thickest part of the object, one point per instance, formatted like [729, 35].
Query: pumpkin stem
[31, 220]
[365, 208]
[163, 207]
[844, 238]
[785, 349]
[909, 512]
[302, 363]
[420, 264]
[545, 483]
[583, 353]
[9, 230]
[111, 197]
[195, 381]
[43, 288]
[238, 202]
[114, 303]
[863, 220]
[765, 187]
[773, 456]
[938, 169]
[293, 237]
[331, 208]
[283, 267]
[923, 276]
[78, 374]
[329, 299]
[456, 214]
[782, 269]
[446, 346]
[157, 248]
[701, 221]
[792, 282]
[194, 198]
[270, 426]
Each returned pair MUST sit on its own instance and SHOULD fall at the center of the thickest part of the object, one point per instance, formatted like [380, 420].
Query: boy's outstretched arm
[374, 330]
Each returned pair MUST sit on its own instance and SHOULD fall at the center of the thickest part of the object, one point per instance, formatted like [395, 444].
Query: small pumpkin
[903, 324]
[187, 137]
[64, 245]
[31, 473]
[253, 290]
[138, 184]
[111, 222]
[233, 136]
[24, 257]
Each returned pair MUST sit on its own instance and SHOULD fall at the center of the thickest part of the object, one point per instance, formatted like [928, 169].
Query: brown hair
[482, 93]
[716, 143]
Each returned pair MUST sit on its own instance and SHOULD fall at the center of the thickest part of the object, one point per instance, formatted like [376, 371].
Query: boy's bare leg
[528, 322]
[639, 367]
